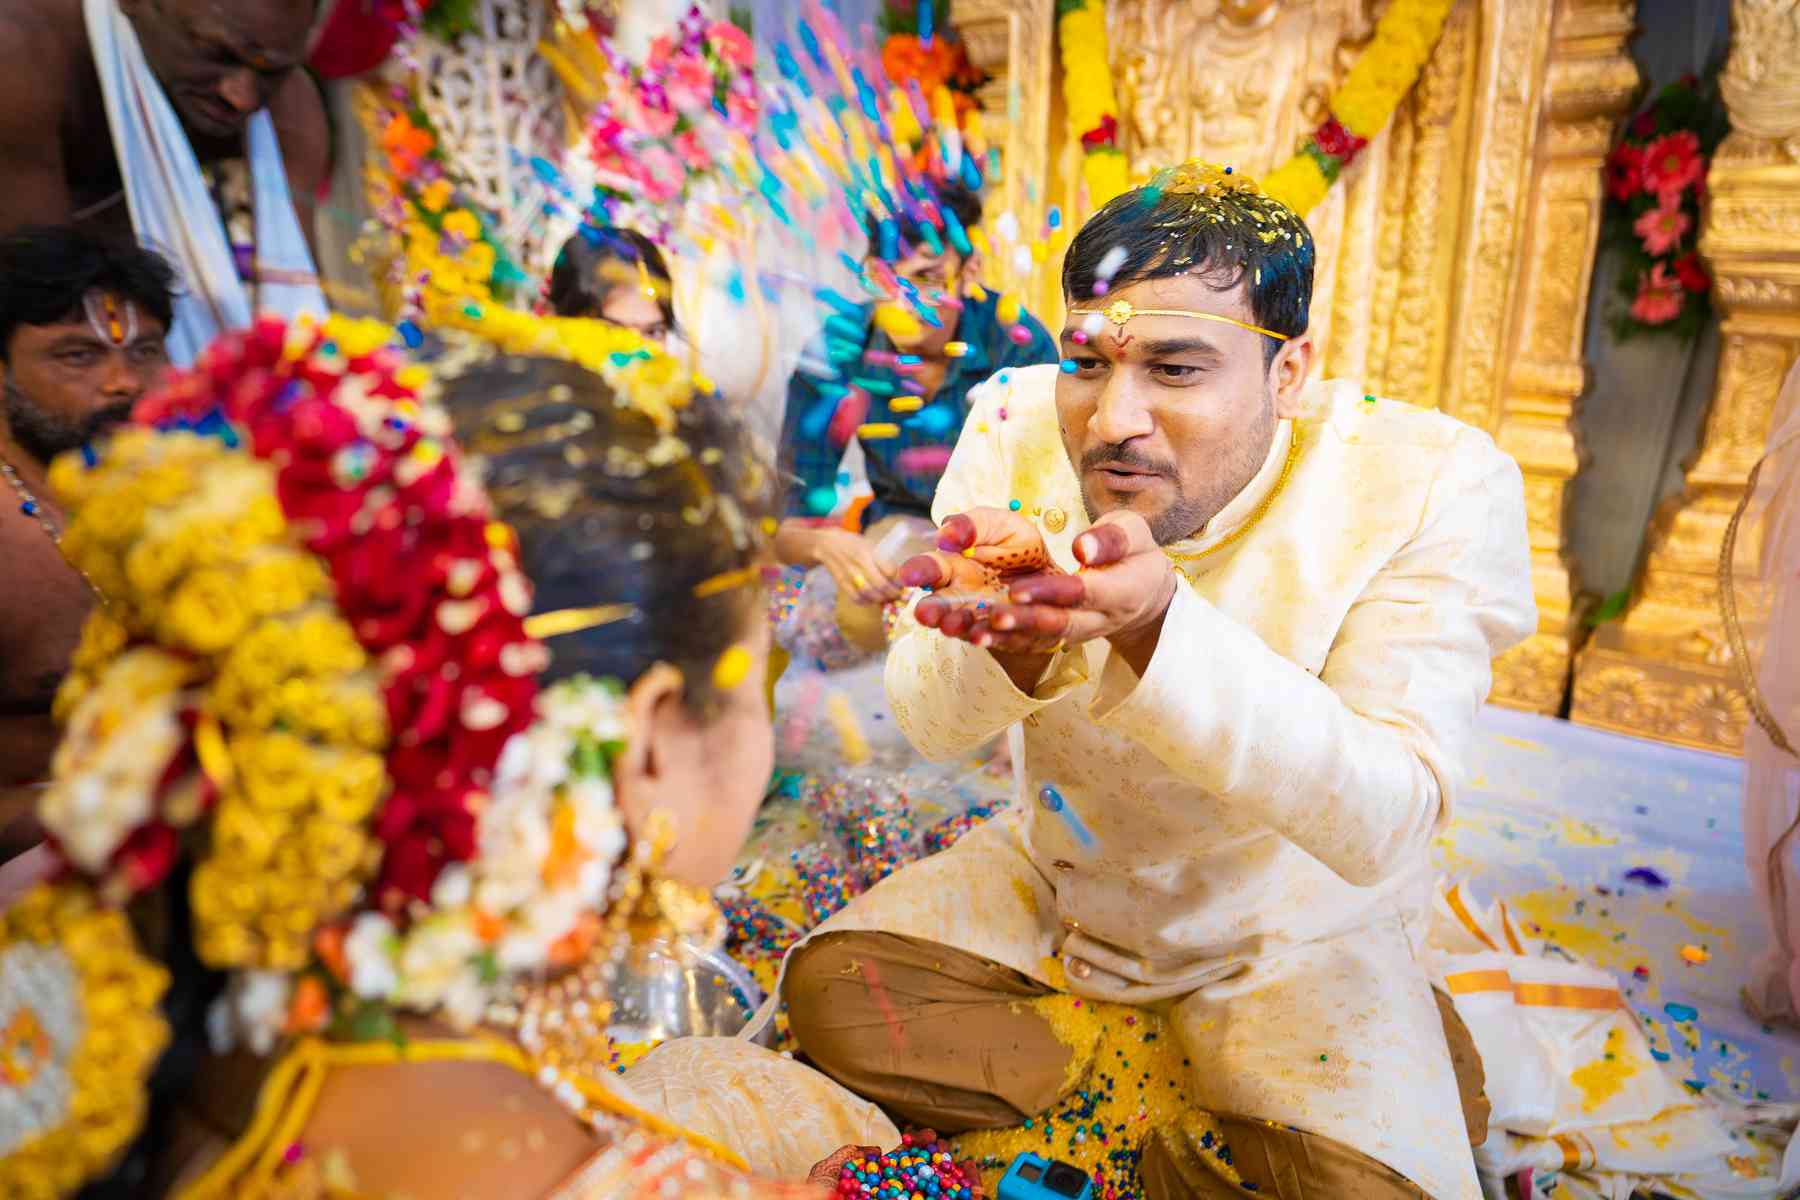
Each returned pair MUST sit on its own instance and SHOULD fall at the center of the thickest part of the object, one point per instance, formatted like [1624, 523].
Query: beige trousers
[975, 1057]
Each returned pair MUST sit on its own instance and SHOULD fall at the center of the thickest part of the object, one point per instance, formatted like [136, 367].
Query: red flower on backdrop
[1691, 273]
[1335, 140]
[358, 36]
[1104, 134]
[1672, 164]
[1663, 228]
[1659, 297]
[1625, 171]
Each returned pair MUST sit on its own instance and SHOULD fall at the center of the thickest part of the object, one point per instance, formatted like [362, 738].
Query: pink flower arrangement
[1659, 297]
[1672, 164]
[1655, 178]
[667, 115]
[1662, 228]
[731, 44]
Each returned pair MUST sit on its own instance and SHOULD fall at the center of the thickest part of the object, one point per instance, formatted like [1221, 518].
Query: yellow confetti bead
[897, 323]
[878, 430]
[732, 668]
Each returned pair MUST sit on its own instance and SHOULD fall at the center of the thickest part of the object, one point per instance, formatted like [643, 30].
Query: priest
[1244, 624]
[186, 123]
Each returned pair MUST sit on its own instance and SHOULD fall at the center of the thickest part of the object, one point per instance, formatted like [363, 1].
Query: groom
[68, 92]
[1246, 623]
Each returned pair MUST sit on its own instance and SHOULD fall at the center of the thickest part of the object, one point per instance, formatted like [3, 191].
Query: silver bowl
[663, 994]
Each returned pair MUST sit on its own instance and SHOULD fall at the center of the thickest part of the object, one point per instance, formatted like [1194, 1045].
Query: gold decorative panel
[1455, 255]
[1665, 670]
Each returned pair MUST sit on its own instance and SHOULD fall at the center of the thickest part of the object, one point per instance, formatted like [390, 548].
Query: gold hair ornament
[1120, 311]
[543, 626]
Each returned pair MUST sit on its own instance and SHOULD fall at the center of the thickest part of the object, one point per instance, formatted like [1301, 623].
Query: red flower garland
[424, 576]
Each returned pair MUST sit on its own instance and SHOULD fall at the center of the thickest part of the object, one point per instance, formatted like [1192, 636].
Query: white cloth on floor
[1577, 1091]
[1244, 830]
[173, 212]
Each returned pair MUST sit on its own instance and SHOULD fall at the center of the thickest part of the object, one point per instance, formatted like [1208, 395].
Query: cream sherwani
[1247, 825]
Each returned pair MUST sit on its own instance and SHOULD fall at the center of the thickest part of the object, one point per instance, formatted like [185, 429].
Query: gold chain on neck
[1287, 468]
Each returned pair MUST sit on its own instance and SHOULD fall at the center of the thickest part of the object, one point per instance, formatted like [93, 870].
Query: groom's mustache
[1127, 458]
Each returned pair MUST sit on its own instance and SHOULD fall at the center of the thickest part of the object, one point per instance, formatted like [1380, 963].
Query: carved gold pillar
[1586, 84]
[1014, 41]
[1665, 670]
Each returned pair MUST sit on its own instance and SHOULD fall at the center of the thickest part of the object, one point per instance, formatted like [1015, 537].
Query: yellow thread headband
[544, 626]
[1121, 311]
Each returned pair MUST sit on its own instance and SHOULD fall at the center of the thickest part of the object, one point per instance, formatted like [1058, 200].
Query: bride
[384, 758]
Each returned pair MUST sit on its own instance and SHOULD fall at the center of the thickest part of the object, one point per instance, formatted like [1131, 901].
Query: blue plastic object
[1033, 1178]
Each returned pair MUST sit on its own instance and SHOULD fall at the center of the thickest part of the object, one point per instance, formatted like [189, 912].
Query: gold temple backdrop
[1455, 255]
[1666, 669]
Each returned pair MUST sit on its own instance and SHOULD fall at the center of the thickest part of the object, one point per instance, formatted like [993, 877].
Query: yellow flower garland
[1384, 73]
[118, 1036]
[1088, 94]
[292, 726]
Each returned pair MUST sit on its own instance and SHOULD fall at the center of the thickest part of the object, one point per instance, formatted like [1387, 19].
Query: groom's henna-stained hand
[977, 552]
[1120, 593]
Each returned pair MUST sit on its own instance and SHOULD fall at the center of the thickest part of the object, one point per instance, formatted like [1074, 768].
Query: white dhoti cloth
[174, 213]
[1243, 831]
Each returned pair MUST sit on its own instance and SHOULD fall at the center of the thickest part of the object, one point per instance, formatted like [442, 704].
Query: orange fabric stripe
[1454, 899]
[1534, 995]
[1464, 982]
[1573, 1147]
[1506, 926]
[1563, 995]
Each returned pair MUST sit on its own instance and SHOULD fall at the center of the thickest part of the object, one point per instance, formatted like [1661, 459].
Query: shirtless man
[219, 62]
[82, 321]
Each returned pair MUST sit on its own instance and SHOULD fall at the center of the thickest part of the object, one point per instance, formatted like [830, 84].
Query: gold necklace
[29, 504]
[32, 507]
[1287, 468]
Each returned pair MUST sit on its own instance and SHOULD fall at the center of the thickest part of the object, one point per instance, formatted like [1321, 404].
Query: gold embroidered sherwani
[1247, 825]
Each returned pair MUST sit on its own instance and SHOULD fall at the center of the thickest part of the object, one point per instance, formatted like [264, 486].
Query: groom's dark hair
[45, 271]
[1225, 238]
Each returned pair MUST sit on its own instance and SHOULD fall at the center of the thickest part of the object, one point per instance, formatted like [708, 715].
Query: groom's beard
[44, 435]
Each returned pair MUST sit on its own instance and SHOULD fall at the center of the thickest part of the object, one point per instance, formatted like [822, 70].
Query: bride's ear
[653, 705]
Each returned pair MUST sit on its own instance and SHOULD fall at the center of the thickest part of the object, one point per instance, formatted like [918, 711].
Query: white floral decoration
[547, 844]
[120, 740]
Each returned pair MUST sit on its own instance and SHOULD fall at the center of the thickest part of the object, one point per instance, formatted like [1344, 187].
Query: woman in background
[1760, 574]
[616, 275]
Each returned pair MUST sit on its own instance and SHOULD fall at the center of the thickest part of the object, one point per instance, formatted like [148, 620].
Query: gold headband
[1121, 311]
[544, 626]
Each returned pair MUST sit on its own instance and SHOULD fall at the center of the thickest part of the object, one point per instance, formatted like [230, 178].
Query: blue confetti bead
[1068, 366]
[1014, 505]
[1050, 798]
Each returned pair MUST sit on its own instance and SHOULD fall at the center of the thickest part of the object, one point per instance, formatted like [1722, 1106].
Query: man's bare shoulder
[39, 41]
